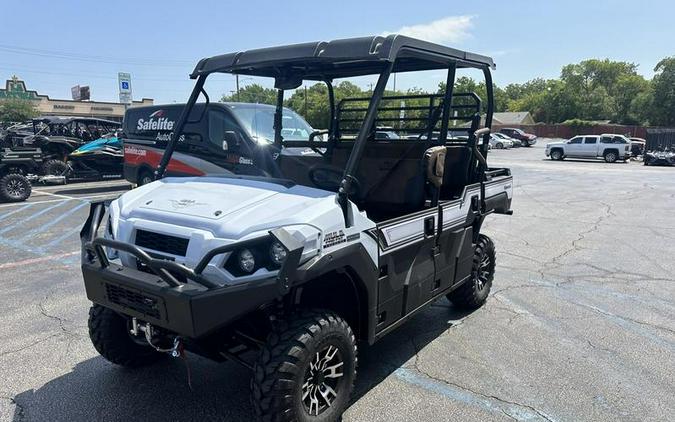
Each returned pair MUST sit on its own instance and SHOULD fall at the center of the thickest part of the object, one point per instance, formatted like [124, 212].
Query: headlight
[277, 253]
[108, 234]
[246, 260]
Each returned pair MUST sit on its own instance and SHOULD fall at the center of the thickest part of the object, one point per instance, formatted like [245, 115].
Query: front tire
[306, 370]
[109, 333]
[14, 187]
[474, 292]
[556, 155]
[144, 177]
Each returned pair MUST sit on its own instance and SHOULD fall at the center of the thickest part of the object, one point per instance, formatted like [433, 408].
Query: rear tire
[54, 168]
[14, 187]
[474, 292]
[306, 370]
[610, 156]
[109, 333]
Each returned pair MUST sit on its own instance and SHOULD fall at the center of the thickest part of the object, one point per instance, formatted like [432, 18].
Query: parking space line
[18, 204]
[32, 216]
[37, 260]
[54, 221]
[42, 192]
[2, 217]
[63, 237]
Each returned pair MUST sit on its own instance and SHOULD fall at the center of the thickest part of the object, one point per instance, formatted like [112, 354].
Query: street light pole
[238, 99]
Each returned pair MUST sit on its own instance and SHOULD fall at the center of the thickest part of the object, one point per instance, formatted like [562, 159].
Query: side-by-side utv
[285, 270]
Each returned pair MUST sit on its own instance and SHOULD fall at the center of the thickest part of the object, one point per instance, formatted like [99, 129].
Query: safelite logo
[156, 121]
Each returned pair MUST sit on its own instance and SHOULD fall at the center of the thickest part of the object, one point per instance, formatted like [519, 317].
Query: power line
[95, 59]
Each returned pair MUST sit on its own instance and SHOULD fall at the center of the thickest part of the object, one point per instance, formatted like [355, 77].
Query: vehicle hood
[225, 206]
[550, 144]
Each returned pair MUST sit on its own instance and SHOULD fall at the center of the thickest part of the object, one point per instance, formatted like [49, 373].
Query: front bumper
[171, 295]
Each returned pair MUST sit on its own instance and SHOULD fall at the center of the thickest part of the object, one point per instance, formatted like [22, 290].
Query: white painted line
[16, 204]
[37, 260]
[83, 198]
[53, 194]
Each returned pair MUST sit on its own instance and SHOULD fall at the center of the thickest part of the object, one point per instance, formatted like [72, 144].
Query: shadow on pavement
[98, 390]
[94, 189]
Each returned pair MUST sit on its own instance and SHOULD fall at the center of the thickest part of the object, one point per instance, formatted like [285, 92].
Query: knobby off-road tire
[14, 187]
[474, 292]
[109, 332]
[308, 361]
[54, 168]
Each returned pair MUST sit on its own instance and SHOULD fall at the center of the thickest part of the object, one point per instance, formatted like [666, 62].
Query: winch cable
[177, 350]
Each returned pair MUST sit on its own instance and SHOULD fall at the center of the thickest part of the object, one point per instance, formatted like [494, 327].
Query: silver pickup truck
[609, 147]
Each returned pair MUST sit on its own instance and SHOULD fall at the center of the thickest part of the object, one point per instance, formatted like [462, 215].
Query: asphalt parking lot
[580, 324]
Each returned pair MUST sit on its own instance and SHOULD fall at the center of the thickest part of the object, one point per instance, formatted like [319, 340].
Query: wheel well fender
[344, 281]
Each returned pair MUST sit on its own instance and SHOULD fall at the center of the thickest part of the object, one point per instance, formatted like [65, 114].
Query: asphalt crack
[517, 415]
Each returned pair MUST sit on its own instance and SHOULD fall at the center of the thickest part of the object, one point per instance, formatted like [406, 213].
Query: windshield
[258, 120]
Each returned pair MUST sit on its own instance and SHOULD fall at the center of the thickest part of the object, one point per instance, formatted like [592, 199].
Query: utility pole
[238, 98]
[394, 84]
[305, 111]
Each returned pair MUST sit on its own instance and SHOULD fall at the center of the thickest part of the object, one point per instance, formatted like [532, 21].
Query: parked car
[637, 146]
[500, 143]
[527, 138]
[517, 143]
[609, 147]
[223, 139]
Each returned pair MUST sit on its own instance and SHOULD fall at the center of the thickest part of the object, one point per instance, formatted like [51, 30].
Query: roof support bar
[447, 102]
[278, 118]
[180, 125]
[360, 144]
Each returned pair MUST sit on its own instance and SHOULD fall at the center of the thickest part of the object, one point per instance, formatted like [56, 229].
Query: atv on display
[59, 136]
[285, 271]
[102, 158]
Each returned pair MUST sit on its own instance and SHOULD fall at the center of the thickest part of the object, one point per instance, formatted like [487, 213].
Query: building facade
[16, 88]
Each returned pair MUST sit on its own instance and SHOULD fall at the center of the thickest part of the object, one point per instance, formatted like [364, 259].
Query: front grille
[133, 300]
[162, 242]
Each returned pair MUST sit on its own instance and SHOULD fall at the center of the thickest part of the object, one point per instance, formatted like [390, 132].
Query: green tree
[17, 110]
[663, 88]
[253, 93]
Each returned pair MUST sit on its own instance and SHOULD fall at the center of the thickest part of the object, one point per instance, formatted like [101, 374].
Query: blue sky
[159, 42]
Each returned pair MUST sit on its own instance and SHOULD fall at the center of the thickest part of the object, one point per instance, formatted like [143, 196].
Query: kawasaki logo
[157, 121]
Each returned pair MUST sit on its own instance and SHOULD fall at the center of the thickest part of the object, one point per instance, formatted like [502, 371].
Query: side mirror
[482, 132]
[317, 133]
[231, 140]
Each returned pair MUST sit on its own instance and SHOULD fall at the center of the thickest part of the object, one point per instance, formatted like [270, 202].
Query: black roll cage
[325, 61]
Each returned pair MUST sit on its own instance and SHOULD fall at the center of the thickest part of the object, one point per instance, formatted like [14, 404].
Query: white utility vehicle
[284, 271]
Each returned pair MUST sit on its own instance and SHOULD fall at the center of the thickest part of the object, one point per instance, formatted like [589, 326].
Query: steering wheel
[328, 177]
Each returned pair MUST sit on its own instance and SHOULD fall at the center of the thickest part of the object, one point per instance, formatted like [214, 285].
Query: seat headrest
[434, 158]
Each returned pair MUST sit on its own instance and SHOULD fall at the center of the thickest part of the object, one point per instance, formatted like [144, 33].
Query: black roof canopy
[341, 58]
[64, 120]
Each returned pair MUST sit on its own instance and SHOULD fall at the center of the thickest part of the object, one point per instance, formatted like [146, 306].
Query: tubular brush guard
[194, 307]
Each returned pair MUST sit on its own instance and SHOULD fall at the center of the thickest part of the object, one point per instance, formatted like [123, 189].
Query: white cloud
[451, 29]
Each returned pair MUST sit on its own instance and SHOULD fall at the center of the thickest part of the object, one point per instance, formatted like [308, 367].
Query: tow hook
[148, 331]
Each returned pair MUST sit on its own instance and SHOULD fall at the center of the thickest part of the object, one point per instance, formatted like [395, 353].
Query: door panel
[407, 265]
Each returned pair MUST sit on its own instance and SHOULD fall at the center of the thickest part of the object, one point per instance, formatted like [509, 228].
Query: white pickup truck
[609, 147]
